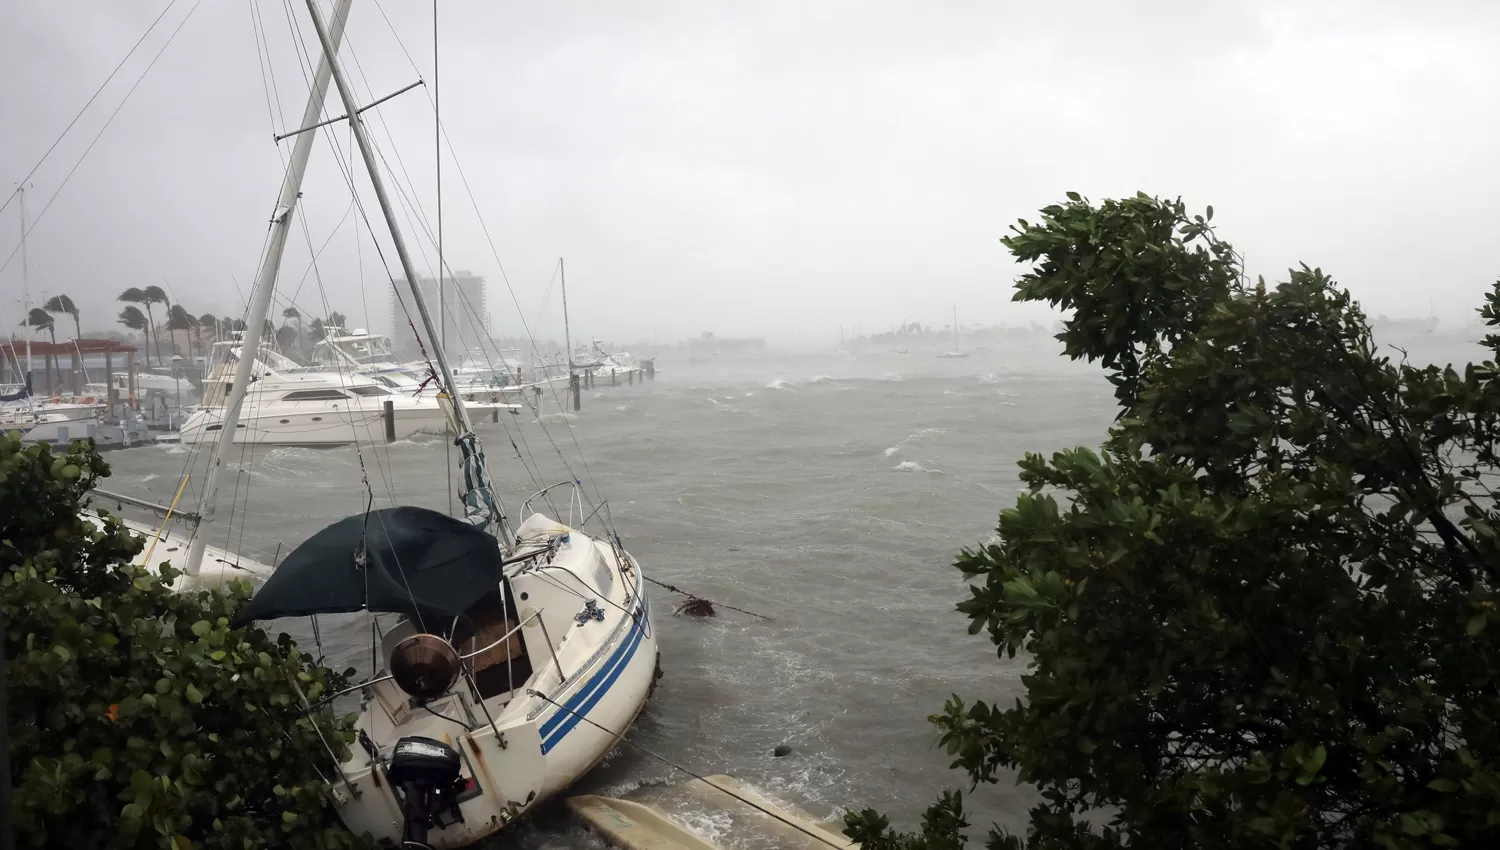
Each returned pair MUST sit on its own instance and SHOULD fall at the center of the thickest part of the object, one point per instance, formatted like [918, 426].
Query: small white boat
[496, 699]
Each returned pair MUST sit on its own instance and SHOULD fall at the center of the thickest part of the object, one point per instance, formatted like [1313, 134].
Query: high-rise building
[465, 309]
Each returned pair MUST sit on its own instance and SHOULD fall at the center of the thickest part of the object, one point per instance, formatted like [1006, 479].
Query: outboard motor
[426, 771]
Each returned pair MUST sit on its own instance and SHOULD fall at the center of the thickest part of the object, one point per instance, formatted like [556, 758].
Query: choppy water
[831, 493]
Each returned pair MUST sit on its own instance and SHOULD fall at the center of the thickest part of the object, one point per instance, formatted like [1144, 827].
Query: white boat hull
[322, 425]
[595, 683]
[169, 546]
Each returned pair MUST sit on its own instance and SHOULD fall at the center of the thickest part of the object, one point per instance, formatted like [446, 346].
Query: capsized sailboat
[519, 653]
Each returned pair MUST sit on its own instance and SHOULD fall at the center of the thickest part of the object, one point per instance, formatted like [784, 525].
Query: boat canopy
[403, 560]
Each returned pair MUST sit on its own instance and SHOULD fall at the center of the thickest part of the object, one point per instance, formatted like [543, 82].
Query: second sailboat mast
[362, 138]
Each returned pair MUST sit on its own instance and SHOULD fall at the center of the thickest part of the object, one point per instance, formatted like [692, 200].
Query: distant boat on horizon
[955, 352]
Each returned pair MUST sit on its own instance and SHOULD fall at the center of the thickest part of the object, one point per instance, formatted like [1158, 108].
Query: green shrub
[1262, 615]
[137, 717]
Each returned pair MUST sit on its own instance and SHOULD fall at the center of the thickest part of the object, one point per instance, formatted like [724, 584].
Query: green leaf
[202, 627]
[192, 694]
[1475, 625]
[1444, 786]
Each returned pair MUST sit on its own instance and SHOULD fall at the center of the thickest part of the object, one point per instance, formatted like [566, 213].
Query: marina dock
[717, 812]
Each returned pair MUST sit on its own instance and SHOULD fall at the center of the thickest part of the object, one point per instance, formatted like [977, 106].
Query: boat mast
[260, 296]
[567, 334]
[479, 498]
[26, 288]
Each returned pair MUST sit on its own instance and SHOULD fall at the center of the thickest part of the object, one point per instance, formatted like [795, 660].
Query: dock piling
[390, 421]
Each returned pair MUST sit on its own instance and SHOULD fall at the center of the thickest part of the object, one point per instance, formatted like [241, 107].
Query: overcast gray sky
[768, 168]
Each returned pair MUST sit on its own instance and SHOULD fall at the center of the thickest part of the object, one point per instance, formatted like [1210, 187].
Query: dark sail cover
[403, 560]
[23, 392]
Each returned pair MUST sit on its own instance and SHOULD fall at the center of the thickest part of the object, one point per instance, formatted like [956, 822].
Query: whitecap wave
[778, 384]
[913, 466]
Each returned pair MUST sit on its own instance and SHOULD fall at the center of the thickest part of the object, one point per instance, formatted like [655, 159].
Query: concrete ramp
[704, 815]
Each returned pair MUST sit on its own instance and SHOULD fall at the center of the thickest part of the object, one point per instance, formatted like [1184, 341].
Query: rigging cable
[437, 149]
[92, 98]
[97, 136]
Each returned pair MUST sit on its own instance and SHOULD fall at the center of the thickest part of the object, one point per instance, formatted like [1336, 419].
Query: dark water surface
[828, 492]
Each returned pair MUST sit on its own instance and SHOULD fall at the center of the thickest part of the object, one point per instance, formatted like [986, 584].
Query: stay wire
[100, 134]
[347, 171]
[675, 766]
[92, 98]
[437, 149]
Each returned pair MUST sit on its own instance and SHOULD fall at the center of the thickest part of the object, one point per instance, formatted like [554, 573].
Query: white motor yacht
[287, 405]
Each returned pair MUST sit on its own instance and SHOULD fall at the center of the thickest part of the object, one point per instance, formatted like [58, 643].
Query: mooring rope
[691, 596]
[669, 763]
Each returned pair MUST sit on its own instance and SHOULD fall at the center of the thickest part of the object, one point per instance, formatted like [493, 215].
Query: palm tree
[179, 319]
[63, 304]
[155, 295]
[286, 339]
[316, 331]
[132, 318]
[335, 320]
[39, 319]
[294, 315]
[134, 295]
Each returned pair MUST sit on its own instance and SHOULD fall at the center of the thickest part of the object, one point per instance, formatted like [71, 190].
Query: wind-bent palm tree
[132, 318]
[211, 325]
[155, 295]
[63, 304]
[286, 339]
[296, 316]
[179, 319]
[40, 319]
[335, 320]
[134, 295]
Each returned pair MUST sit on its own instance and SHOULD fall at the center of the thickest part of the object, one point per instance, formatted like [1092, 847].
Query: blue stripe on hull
[562, 722]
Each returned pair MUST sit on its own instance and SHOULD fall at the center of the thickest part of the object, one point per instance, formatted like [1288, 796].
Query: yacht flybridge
[518, 654]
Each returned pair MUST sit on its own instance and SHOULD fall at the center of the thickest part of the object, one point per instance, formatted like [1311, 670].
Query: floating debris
[695, 606]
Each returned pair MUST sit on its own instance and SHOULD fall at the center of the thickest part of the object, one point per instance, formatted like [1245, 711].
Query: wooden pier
[658, 818]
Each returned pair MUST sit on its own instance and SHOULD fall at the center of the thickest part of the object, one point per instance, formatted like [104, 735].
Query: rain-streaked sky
[767, 168]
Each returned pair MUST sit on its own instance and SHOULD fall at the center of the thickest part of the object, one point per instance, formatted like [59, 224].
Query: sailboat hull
[590, 681]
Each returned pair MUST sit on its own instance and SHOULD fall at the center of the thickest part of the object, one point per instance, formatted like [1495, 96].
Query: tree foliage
[64, 304]
[1262, 614]
[138, 717]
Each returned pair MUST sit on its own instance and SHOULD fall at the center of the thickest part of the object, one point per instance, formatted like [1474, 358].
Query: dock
[705, 814]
